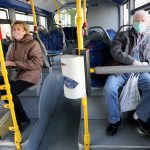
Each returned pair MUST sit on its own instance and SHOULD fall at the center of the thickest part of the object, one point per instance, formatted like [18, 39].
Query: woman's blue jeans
[113, 83]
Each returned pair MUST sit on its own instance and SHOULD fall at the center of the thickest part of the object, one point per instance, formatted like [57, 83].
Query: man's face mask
[139, 27]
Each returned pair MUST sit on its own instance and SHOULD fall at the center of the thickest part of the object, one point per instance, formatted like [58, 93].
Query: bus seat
[45, 54]
[30, 99]
[99, 56]
[68, 33]
[111, 33]
[5, 44]
[43, 35]
[33, 90]
[56, 41]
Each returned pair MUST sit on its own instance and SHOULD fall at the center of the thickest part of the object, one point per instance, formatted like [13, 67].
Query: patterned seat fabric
[99, 56]
[55, 42]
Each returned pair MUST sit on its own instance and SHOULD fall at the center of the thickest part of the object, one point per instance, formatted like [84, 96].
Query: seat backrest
[99, 46]
[111, 34]
[45, 54]
[56, 40]
[5, 44]
[43, 35]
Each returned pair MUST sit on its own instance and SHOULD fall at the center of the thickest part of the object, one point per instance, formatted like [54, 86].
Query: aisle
[62, 131]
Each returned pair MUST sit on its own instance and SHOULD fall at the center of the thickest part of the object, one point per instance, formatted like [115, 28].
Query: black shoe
[112, 128]
[143, 128]
[23, 125]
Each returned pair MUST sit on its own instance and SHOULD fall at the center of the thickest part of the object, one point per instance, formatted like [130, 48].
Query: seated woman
[25, 54]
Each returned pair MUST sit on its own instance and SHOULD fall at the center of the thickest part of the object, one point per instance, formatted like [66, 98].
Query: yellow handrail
[79, 26]
[84, 10]
[84, 99]
[58, 10]
[8, 96]
[34, 15]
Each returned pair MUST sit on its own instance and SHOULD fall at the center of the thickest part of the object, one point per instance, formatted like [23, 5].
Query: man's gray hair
[141, 12]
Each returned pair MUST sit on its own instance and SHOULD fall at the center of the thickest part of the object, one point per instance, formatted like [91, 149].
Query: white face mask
[18, 36]
[18, 32]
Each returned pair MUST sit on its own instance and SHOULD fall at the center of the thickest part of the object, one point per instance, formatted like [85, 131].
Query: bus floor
[63, 128]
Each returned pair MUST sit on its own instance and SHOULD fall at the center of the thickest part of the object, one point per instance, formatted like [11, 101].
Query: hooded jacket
[27, 55]
[123, 44]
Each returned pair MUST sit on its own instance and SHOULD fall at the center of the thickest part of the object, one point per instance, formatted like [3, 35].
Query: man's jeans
[113, 83]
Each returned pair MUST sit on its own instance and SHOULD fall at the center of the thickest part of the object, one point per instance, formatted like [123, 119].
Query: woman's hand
[10, 64]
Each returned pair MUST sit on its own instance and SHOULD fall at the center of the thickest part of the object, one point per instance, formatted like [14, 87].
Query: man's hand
[10, 64]
[145, 63]
[137, 63]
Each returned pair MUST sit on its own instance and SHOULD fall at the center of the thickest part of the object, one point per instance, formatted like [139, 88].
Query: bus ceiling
[22, 5]
[44, 7]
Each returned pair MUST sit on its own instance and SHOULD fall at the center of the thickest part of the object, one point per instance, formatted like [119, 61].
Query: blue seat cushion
[55, 42]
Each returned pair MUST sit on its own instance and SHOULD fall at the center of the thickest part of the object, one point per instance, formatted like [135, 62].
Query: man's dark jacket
[123, 44]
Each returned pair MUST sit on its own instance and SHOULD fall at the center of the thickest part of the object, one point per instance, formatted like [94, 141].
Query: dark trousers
[16, 88]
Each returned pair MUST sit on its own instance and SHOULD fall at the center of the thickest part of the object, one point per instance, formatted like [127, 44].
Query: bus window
[4, 13]
[28, 18]
[126, 15]
[22, 16]
[6, 29]
[4, 17]
[67, 17]
[139, 3]
[42, 21]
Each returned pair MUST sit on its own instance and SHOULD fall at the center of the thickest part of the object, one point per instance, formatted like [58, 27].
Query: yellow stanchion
[58, 10]
[84, 10]
[34, 16]
[84, 99]
[79, 26]
[86, 128]
[8, 96]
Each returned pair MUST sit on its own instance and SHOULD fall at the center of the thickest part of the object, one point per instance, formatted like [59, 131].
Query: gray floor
[63, 129]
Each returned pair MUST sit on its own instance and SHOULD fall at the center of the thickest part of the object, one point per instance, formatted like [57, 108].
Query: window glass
[148, 26]
[23, 17]
[31, 27]
[139, 3]
[126, 14]
[4, 13]
[67, 17]
[42, 21]
[6, 29]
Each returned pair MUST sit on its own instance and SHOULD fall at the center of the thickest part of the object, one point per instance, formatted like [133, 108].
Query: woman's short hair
[23, 24]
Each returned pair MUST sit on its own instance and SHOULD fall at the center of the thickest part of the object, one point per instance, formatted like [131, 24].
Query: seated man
[124, 53]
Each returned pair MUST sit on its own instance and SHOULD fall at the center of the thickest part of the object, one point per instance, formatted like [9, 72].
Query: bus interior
[58, 123]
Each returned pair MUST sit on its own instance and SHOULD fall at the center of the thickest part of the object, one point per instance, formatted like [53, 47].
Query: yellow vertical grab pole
[84, 10]
[58, 10]
[85, 21]
[86, 127]
[34, 16]
[79, 26]
[84, 99]
[8, 96]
